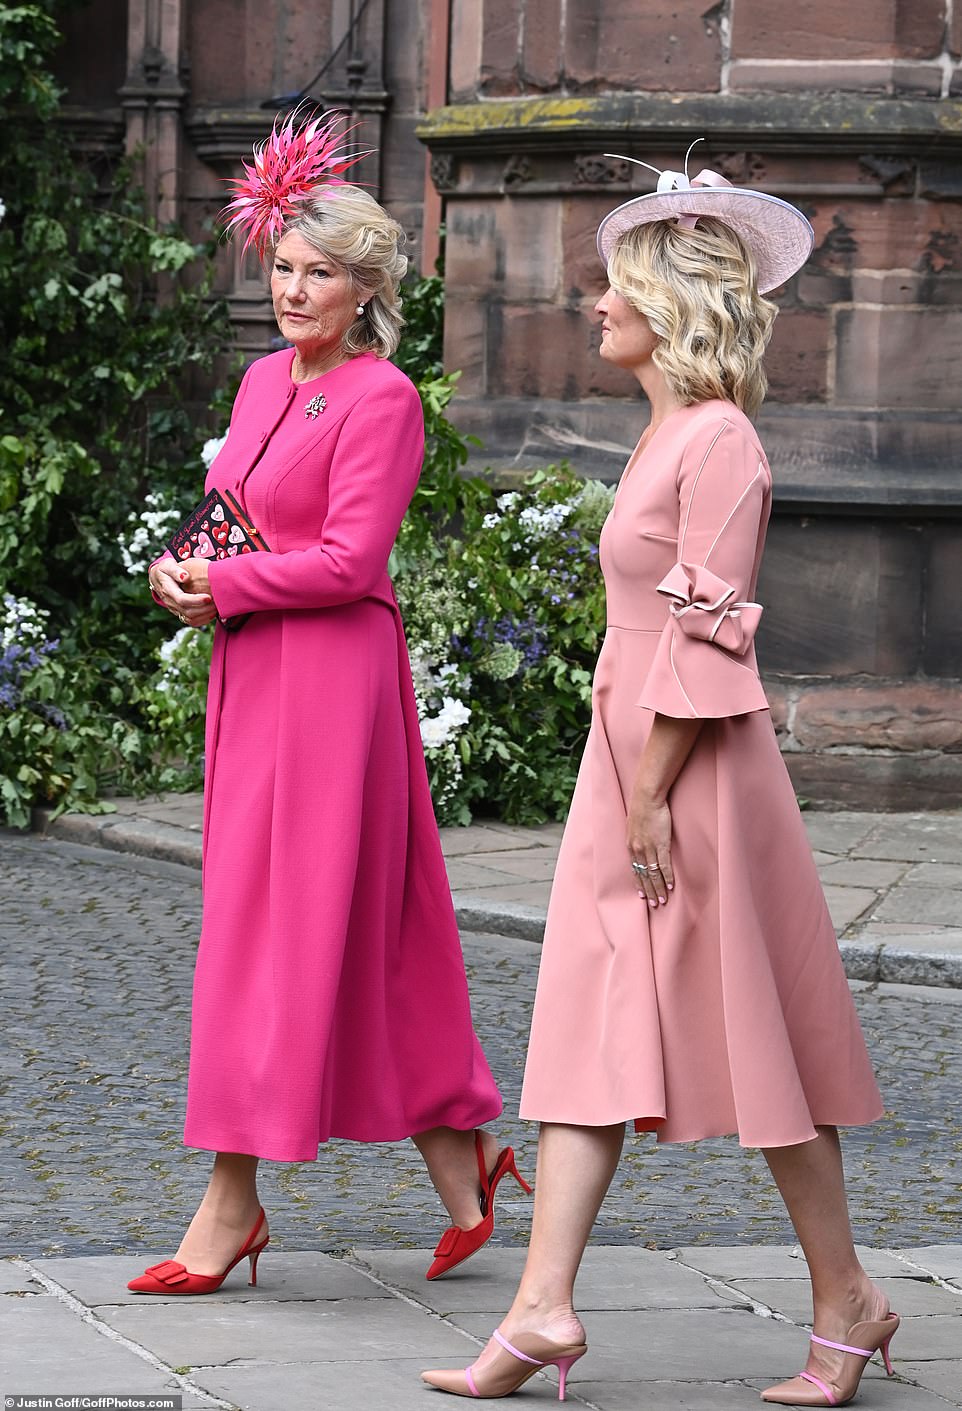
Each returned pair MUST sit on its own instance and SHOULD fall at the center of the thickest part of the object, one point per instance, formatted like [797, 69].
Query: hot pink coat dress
[727, 1010]
[330, 997]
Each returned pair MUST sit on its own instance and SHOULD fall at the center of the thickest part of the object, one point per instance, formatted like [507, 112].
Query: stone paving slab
[942, 1260]
[929, 1339]
[908, 1296]
[770, 1261]
[16, 1280]
[496, 838]
[101, 1280]
[935, 837]
[217, 1334]
[839, 833]
[528, 864]
[933, 874]
[942, 1378]
[921, 905]
[902, 871]
[847, 904]
[667, 1396]
[331, 1385]
[610, 1278]
[43, 1346]
[863, 872]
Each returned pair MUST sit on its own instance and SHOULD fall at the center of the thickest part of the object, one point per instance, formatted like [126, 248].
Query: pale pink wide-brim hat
[778, 235]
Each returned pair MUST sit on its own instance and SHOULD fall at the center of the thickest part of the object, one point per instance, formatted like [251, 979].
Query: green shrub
[61, 739]
[503, 624]
[103, 315]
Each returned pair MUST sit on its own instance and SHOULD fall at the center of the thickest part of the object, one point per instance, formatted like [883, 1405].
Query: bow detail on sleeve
[701, 604]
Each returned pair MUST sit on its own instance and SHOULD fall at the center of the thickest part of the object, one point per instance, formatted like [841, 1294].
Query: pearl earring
[359, 310]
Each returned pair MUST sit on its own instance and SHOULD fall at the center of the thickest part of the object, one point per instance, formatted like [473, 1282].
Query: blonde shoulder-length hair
[698, 290]
[349, 227]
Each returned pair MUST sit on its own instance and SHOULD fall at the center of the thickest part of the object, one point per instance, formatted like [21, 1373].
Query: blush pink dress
[330, 996]
[728, 1010]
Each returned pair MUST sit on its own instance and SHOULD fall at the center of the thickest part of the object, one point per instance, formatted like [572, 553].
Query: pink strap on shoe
[503, 1341]
[521, 1356]
[842, 1347]
[823, 1387]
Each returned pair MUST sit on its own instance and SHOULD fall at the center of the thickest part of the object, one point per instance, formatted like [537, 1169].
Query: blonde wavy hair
[356, 234]
[699, 292]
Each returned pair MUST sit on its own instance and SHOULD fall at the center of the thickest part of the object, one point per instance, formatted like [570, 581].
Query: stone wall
[189, 88]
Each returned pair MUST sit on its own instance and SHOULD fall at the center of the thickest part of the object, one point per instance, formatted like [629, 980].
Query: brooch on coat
[315, 406]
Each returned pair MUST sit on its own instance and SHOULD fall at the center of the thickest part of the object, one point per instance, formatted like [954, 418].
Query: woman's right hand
[194, 609]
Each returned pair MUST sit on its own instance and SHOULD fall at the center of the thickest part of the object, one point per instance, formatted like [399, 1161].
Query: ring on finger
[640, 869]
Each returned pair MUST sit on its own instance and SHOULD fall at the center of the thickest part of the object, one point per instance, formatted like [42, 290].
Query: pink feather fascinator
[289, 167]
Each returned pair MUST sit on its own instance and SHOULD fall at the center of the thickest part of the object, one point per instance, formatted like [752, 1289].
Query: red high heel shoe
[456, 1245]
[171, 1277]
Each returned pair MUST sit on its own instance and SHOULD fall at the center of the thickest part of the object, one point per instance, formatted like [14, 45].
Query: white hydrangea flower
[491, 521]
[149, 530]
[22, 623]
[508, 501]
[168, 650]
[539, 522]
[455, 713]
[421, 673]
[438, 730]
[211, 449]
[3, 210]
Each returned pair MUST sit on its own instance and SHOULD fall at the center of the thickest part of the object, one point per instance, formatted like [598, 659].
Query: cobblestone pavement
[96, 954]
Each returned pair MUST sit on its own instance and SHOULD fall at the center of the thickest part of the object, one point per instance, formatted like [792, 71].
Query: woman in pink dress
[691, 979]
[330, 996]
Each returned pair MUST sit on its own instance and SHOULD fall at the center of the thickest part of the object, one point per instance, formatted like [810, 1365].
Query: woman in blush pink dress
[691, 980]
[330, 996]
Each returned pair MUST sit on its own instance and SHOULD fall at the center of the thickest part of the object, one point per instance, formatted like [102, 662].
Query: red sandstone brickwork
[825, 29]
[500, 46]
[797, 360]
[541, 48]
[585, 46]
[905, 715]
[868, 46]
[654, 46]
[507, 47]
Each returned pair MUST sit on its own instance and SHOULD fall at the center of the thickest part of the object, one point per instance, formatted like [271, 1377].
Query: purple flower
[16, 663]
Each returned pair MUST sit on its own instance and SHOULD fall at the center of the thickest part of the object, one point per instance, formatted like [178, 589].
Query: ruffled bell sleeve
[705, 664]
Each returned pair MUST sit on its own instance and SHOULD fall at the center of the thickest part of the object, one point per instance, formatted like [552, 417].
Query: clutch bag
[218, 529]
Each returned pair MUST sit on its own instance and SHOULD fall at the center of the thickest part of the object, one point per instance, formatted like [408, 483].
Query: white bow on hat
[779, 237]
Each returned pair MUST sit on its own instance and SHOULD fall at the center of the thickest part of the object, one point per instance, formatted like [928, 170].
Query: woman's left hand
[198, 577]
[649, 844]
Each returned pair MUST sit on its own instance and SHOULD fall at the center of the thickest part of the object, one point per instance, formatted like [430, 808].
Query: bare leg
[452, 1164]
[224, 1217]
[575, 1169]
[811, 1181]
